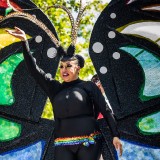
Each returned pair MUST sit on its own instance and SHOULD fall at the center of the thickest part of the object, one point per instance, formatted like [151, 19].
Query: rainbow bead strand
[85, 140]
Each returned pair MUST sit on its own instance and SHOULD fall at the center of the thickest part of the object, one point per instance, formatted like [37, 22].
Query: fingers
[120, 149]
[17, 29]
[14, 32]
[8, 31]
[118, 146]
[18, 33]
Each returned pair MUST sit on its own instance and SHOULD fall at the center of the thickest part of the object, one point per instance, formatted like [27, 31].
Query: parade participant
[76, 103]
[77, 135]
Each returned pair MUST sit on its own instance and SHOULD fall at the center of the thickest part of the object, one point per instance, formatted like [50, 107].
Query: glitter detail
[7, 69]
[85, 140]
[9, 130]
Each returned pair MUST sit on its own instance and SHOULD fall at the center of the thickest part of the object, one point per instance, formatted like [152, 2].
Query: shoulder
[86, 83]
[90, 85]
[52, 83]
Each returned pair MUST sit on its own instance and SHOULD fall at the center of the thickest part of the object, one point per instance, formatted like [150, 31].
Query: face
[69, 70]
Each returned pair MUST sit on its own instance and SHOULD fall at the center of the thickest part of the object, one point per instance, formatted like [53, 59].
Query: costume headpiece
[70, 53]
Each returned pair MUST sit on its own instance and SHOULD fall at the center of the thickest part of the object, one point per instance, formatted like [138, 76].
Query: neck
[73, 80]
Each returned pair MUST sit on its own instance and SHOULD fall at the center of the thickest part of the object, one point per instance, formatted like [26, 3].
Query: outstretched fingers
[18, 33]
[120, 149]
[118, 145]
[18, 29]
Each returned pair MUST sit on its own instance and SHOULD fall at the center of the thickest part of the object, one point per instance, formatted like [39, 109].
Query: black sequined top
[72, 102]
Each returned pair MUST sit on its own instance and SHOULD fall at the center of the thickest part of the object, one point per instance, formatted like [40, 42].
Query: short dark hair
[77, 57]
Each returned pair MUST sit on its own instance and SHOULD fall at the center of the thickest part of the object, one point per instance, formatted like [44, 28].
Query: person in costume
[95, 79]
[77, 135]
[76, 104]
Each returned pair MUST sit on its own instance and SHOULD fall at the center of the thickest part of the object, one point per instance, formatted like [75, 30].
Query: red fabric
[3, 4]
[15, 6]
[100, 116]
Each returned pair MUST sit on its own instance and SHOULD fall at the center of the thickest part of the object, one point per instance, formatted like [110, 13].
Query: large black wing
[23, 91]
[124, 49]
[23, 133]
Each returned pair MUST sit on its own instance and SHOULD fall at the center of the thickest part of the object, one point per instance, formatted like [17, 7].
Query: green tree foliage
[61, 22]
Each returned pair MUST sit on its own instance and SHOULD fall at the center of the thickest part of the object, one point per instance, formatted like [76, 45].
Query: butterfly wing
[23, 132]
[20, 86]
[124, 49]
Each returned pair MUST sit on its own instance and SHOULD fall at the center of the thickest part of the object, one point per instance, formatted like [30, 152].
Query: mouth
[65, 74]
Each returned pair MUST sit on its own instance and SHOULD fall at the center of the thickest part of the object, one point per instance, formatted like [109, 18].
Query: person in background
[95, 79]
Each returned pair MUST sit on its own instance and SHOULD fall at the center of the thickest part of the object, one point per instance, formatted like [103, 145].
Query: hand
[118, 145]
[18, 33]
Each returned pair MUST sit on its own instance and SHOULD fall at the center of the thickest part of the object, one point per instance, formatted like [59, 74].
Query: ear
[78, 68]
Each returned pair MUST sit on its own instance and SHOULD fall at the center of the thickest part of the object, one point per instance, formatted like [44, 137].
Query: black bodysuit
[74, 112]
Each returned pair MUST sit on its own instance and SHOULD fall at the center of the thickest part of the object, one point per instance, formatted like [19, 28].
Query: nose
[64, 68]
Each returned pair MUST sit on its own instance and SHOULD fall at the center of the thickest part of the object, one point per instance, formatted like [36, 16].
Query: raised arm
[38, 74]
[102, 106]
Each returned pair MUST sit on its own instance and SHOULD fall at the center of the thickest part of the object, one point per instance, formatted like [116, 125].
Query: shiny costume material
[85, 140]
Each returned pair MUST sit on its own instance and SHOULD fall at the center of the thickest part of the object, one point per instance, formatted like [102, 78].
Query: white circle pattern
[113, 15]
[38, 39]
[116, 55]
[52, 52]
[97, 47]
[103, 70]
[111, 34]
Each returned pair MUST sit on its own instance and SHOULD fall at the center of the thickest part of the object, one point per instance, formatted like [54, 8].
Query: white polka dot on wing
[38, 39]
[103, 70]
[97, 47]
[52, 52]
[113, 15]
[111, 34]
[116, 55]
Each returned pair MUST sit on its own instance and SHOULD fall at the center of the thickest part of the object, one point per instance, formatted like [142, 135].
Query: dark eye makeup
[67, 66]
